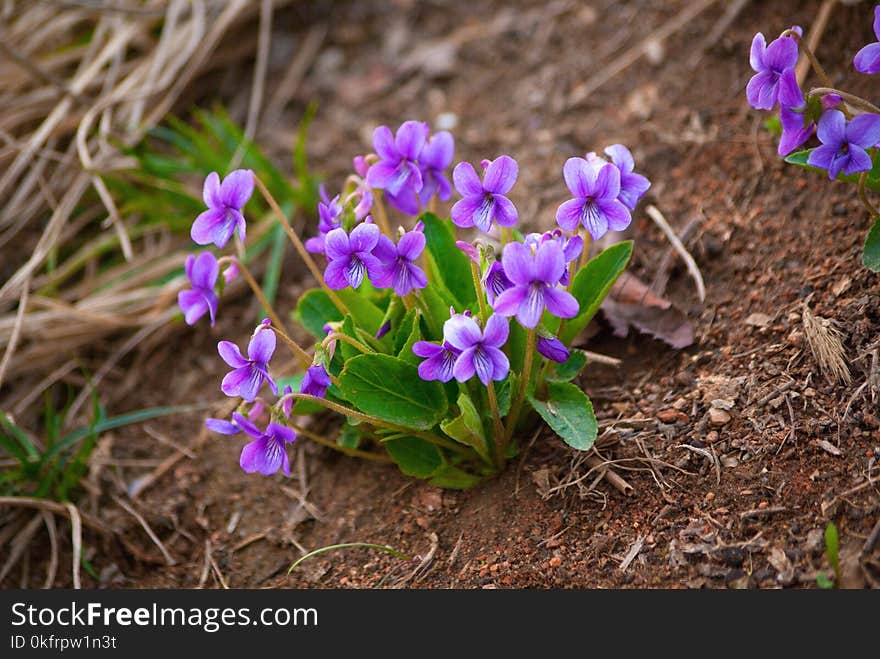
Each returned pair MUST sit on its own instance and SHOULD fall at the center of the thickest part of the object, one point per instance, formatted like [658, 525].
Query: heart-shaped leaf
[569, 412]
[390, 389]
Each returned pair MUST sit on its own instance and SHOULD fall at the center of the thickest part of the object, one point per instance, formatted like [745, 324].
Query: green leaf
[415, 456]
[871, 250]
[504, 391]
[367, 315]
[824, 581]
[570, 369]
[592, 283]
[448, 263]
[872, 182]
[391, 389]
[569, 412]
[438, 310]
[467, 427]
[454, 478]
[404, 330]
[415, 334]
[832, 546]
[315, 308]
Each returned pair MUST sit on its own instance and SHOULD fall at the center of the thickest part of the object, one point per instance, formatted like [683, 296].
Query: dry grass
[80, 82]
[826, 344]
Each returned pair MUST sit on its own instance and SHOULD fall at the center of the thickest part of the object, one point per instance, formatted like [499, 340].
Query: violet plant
[846, 127]
[442, 341]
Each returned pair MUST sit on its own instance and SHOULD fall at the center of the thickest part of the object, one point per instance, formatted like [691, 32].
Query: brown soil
[740, 502]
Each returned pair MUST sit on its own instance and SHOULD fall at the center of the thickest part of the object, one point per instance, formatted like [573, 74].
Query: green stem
[478, 289]
[805, 49]
[345, 338]
[852, 99]
[525, 376]
[353, 452]
[500, 436]
[381, 216]
[297, 243]
[346, 545]
[863, 196]
[379, 423]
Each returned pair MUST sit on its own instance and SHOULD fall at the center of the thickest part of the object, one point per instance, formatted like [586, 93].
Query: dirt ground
[735, 493]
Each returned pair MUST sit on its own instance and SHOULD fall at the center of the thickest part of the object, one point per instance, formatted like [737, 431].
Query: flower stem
[345, 338]
[478, 289]
[525, 376]
[297, 243]
[381, 215]
[805, 49]
[500, 436]
[863, 196]
[305, 360]
[379, 423]
[852, 99]
[353, 452]
[585, 257]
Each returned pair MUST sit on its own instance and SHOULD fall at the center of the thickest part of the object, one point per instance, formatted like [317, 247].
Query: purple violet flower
[480, 349]
[769, 63]
[844, 144]
[202, 272]
[469, 250]
[797, 126]
[249, 374]
[287, 405]
[350, 257]
[268, 452]
[397, 171]
[439, 362]
[384, 328]
[315, 381]
[362, 192]
[329, 218]
[222, 426]
[434, 160]
[867, 60]
[595, 204]
[485, 202]
[399, 269]
[225, 201]
[535, 276]
[632, 186]
[552, 348]
[495, 281]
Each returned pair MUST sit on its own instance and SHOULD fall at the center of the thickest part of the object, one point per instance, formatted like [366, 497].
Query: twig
[16, 329]
[655, 214]
[595, 462]
[52, 569]
[632, 553]
[76, 541]
[762, 512]
[203, 578]
[169, 560]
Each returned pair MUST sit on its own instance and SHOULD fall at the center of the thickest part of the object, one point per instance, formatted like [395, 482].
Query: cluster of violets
[846, 131]
[408, 170]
